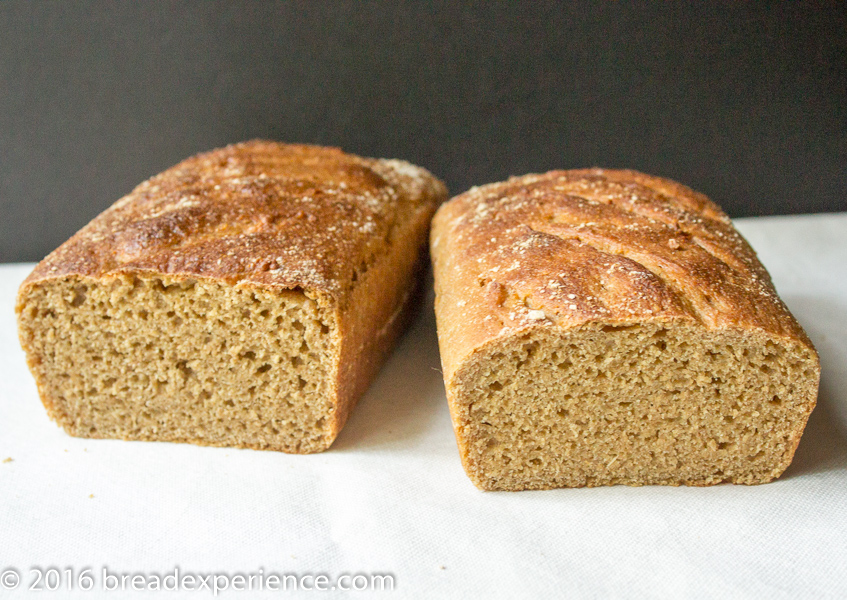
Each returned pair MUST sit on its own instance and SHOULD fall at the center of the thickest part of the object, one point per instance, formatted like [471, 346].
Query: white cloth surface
[391, 496]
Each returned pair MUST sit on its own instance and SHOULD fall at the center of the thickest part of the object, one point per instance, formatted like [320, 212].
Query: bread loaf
[245, 297]
[606, 327]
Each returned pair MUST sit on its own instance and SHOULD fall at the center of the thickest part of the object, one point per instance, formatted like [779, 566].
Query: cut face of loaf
[245, 297]
[159, 358]
[607, 327]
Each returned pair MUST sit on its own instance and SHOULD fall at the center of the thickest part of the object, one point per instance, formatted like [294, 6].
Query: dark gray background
[745, 102]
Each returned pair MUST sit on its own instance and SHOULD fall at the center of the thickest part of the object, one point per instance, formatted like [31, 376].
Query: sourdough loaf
[605, 327]
[245, 297]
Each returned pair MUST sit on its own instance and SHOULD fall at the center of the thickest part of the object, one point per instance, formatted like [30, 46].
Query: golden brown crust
[573, 247]
[260, 212]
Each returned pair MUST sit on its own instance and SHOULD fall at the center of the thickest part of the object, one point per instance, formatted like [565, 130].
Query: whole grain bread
[608, 327]
[245, 297]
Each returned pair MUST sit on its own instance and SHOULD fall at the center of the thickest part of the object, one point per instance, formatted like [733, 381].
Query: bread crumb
[536, 315]
[8, 459]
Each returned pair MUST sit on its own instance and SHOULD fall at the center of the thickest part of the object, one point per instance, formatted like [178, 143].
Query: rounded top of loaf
[595, 246]
[258, 212]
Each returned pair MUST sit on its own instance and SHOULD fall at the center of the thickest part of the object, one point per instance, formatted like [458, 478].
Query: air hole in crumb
[775, 400]
[530, 348]
[79, 295]
[296, 361]
[495, 386]
[264, 368]
[320, 423]
[184, 368]
[249, 355]
[611, 328]
[229, 403]
[324, 329]
[265, 313]
[662, 345]
[562, 412]
[536, 462]
[301, 383]
[299, 326]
